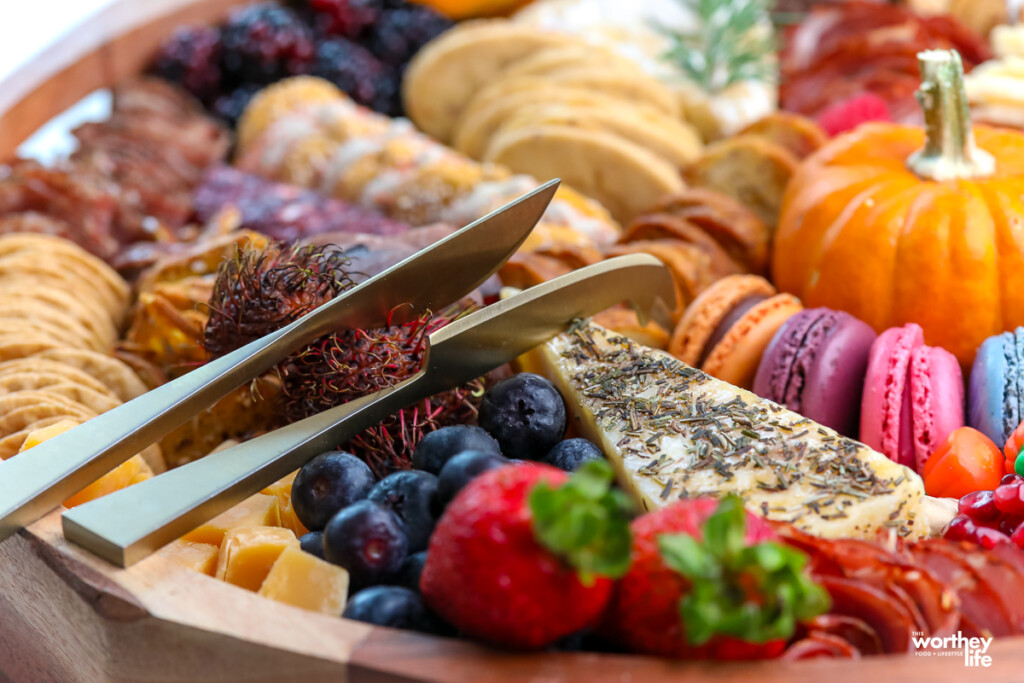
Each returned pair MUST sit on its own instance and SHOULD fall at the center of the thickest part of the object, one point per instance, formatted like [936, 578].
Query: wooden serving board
[66, 615]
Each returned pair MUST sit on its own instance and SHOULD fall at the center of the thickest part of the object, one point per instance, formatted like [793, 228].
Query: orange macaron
[725, 330]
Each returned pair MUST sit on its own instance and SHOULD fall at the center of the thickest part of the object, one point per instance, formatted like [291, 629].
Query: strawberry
[524, 555]
[710, 581]
[847, 114]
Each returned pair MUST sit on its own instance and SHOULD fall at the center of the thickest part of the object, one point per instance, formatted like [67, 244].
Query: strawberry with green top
[525, 555]
[711, 581]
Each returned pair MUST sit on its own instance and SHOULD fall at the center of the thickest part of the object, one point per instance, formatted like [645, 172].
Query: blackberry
[265, 43]
[356, 72]
[229, 106]
[400, 33]
[348, 18]
[191, 58]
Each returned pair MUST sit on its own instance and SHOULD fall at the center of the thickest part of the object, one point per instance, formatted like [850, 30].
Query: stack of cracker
[60, 313]
[553, 105]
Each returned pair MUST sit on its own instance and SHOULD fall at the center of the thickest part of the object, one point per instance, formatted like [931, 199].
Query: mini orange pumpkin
[896, 224]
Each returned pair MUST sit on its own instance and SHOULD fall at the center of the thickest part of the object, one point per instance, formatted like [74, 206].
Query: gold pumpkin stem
[949, 151]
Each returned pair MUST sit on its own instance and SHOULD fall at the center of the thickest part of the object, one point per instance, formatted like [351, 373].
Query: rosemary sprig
[732, 41]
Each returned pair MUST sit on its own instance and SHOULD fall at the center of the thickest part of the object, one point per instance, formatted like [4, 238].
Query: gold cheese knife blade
[130, 524]
[38, 480]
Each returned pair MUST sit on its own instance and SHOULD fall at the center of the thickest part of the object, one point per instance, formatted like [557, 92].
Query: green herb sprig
[732, 41]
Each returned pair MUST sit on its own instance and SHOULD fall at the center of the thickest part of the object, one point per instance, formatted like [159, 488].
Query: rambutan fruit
[258, 292]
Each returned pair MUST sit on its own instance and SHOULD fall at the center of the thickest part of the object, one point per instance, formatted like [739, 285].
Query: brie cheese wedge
[672, 431]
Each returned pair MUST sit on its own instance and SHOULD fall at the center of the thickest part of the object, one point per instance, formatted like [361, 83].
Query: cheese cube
[306, 581]
[200, 557]
[247, 553]
[257, 510]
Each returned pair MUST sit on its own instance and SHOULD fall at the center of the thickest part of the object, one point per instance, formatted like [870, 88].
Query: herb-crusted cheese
[671, 431]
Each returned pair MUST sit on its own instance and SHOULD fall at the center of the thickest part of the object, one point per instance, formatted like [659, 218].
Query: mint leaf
[754, 593]
[585, 522]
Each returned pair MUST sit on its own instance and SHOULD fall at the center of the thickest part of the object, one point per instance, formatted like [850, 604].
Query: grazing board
[67, 615]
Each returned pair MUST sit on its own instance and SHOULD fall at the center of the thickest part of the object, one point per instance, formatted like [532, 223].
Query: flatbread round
[624, 177]
[445, 75]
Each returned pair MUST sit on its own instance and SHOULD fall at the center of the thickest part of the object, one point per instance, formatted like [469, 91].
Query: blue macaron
[995, 399]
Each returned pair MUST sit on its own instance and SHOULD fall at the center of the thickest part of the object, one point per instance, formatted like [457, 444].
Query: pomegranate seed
[960, 528]
[980, 506]
[1011, 479]
[1009, 498]
[1017, 537]
[989, 538]
[1009, 523]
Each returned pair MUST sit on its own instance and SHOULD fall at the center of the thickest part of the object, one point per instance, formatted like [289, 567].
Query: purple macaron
[815, 366]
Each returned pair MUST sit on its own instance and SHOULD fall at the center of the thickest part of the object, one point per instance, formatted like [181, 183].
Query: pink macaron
[913, 396]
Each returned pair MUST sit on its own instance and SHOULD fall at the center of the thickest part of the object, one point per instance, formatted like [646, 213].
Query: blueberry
[392, 606]
[367, 540]
[437, 447]
[313, 543]
[412, 569]
[570, 454]
[409, 494]
[328, 483]
[526, 414]
[459, 471]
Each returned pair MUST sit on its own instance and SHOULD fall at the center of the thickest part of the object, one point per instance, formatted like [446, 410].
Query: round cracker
[14, 346]
[55, 317]
[11, 326]
[483, 117]
[22, 408]
[570, 56]
[99, 401]
[115, 374]
[79, 279]
[89, 313]
[52, 371]
[669, 138]
[66, 250]
[631, 86]
[11, 444]
[624, 177]
[445, 75]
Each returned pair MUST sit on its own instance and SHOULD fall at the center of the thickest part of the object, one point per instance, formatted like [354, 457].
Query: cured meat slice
[890, 619]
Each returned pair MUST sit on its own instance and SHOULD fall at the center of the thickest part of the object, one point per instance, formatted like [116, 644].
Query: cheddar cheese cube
[257, 510]
[200, 557]
[303, 580]
[248, 552]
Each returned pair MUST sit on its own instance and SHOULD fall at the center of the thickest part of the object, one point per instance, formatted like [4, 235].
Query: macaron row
[891, 390]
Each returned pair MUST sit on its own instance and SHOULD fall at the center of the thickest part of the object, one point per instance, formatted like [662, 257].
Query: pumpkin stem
[949, 151]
